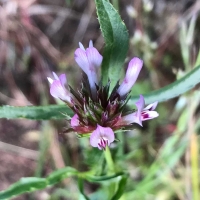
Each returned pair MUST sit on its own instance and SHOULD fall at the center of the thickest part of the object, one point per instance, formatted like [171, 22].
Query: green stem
[109, 159]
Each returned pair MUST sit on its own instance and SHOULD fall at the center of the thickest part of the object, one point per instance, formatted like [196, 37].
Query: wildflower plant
[97, 110]
[102, 106]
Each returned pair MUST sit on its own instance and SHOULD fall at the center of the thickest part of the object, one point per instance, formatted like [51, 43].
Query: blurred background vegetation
[40, 36]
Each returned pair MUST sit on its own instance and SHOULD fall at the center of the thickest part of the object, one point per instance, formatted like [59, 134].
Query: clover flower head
[98, 111]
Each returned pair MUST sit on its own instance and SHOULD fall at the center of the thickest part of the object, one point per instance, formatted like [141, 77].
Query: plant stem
[109, 159]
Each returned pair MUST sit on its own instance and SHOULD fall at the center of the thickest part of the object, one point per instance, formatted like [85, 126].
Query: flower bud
[134, 67]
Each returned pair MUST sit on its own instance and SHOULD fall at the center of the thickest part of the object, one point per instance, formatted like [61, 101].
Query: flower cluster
[98, 111]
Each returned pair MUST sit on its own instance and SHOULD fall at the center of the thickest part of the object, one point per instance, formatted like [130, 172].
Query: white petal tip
[50, 80]
[81, 46]
[91, 43]
[55, 75]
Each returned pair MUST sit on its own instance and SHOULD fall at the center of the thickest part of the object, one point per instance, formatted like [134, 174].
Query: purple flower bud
[89, 61]
[102, 137]
[134, 67]
[58, 89]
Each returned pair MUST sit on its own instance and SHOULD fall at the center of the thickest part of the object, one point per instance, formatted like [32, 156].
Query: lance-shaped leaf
[28, 184]
[116, 40]
[36, 112]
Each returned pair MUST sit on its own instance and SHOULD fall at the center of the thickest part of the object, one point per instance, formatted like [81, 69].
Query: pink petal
[101, 132]
[81, 60]
[94, 138]
[74, 121]
[107, 133]
[140, 103]
[149, 115]
[130, 119]
[59, 92]
[94, 62]
[94, 58]
[63, 79]
[127, 119]
[134, 68]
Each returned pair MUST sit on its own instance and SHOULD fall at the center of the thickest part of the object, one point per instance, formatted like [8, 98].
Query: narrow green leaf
[102, 178]
[172, 90]
[59, 175]
[121, 187]
[35, 112]
[83, 196]
[116, 39]
[29, 184]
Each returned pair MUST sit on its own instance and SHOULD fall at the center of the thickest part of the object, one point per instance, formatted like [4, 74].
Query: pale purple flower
[102, 137]
[133, 70]
[58, 89]
[89, 60]
[97, 110]
[142, 114]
